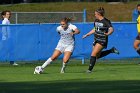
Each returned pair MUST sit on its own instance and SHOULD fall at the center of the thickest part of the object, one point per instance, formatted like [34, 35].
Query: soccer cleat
[88, 71]
[36, 72]
[15, 64]
[62, 70]
[114, 50]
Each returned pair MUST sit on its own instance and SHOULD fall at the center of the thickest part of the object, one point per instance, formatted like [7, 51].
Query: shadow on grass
[71, 86]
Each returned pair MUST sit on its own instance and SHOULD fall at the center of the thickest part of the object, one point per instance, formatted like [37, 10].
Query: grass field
[109, 76]
[115, 12]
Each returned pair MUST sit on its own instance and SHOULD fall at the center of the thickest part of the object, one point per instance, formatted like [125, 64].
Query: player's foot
[114, 50]
[62, 70]
[88, 71]
[36, 72]
[15, 64]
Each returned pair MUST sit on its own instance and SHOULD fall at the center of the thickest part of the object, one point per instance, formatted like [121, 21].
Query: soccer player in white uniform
[5, 34]
[65, 44]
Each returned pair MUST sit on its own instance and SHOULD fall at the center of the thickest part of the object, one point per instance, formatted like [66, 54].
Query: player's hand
[84, 36]
[106, 34]
[72, 33]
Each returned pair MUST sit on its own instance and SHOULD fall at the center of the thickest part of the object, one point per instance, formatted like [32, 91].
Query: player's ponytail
[66, 20]
[101, 11]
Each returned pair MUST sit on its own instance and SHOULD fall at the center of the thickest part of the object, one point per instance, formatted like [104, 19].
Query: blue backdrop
[26, 42]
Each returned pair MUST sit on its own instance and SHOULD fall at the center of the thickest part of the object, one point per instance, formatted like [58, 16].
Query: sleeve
[109, 24]
[73, 27]
[58, 30]
[4, 22]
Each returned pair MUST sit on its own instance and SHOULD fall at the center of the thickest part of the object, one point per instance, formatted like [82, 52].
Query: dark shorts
[104, 44]
[138, 37]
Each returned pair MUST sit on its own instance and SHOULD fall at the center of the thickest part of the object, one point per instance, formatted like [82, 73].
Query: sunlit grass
[115, 12]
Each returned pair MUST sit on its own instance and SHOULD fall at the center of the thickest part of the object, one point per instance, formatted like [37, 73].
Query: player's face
[97, 15]
[138, 8]
[7, 15]
[63, 24]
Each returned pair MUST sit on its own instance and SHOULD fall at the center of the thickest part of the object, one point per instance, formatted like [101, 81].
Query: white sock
[64, 64]
[46, 63]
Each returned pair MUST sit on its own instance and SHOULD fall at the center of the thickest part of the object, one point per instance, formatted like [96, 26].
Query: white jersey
[66, 38]
[5, 29]
[6, 21]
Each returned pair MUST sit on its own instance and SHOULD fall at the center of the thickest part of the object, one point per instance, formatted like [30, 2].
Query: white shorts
[61, 47]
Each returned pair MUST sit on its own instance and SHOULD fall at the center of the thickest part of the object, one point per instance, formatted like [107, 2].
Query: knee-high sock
[46, 63]
[64, 64]
[92, 62]
[105, 53]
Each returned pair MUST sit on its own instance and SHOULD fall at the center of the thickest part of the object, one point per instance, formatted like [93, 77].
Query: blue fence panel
[48, 38]
[123, 39]
[25, 39]
[37, 41]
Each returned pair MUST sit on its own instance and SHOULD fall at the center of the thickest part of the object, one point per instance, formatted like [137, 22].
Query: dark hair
[138, 5]
[4, 12]
[66, 20]
[101, 11]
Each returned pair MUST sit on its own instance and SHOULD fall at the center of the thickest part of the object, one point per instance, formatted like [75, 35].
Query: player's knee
[65, 60]
[94, 54]
[53, 58]
[135, 46]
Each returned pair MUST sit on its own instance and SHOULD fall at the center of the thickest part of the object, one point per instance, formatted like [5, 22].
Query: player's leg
[67, 54]
[55, 55]
[136, 46]
[107, 52]
[66, 58]
[95, 51]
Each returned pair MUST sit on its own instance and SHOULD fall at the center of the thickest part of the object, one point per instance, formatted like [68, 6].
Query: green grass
[109, 76]
[115, 12]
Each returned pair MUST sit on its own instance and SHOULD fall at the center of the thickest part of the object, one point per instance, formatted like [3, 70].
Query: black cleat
[114, 50]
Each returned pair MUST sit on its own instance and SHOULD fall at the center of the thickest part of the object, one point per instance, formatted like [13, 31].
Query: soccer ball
[38, 70]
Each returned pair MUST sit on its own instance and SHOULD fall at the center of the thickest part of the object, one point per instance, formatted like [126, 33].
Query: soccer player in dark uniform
[137, 40]
[102, 29]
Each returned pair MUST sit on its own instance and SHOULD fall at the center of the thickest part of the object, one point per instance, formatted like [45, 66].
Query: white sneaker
[15, 64]
[35, 72]
[88, 71]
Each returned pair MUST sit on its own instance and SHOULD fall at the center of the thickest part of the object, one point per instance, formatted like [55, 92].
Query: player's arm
[58, 30]
[110, 28]
[76, 31]
[110, 31]
[89, 33]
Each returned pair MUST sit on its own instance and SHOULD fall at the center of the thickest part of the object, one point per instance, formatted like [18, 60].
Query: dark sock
[138, 51]
[105, 53]
[92, 62]
[11, 62]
